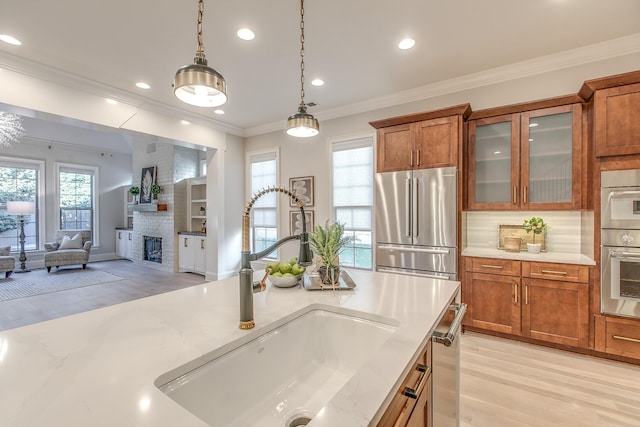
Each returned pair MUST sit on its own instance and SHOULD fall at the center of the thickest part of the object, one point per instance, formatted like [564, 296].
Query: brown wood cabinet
[526, 160]
[420, 141]
[619, 336]
[543, 301]
[411, 404]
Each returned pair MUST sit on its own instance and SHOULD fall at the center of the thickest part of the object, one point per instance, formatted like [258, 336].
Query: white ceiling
[351, 44]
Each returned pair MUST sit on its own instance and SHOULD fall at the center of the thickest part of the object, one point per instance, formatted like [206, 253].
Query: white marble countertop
[557, 257]
[98, 368]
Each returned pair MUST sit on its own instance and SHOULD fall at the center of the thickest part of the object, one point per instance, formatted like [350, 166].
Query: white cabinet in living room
[192, 253]
[124, 244]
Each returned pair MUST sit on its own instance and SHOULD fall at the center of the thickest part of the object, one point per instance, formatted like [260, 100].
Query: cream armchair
[7, 262]
[71, 247]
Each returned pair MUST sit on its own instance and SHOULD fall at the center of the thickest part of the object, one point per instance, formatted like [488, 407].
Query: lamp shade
[21, 208]
[200, 85]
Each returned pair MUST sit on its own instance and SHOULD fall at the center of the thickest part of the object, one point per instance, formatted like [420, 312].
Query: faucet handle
[263, 282]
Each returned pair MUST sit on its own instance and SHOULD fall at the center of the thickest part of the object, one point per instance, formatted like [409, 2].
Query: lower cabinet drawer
[553, 271]
[504, 267]
[623, 338]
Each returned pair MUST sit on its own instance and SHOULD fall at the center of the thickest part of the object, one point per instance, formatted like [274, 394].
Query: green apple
[273, 265]
[288, 275]
[297, 269]
[293, 261]
[284, 267]
[277, 274]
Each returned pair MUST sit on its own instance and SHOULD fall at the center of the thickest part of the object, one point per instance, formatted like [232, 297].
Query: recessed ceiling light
[246, 34]
[497, 152]
[11, 40]
[406, 44]
[532, 125]
[185, 122]
[219, 111]
[143, 85]
[317, 82]
[111, 101]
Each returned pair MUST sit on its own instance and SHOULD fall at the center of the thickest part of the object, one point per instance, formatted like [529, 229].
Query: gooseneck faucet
[247, 286]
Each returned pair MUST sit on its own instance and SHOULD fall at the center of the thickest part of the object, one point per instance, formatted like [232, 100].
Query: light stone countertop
[556, 257]
[98, 368]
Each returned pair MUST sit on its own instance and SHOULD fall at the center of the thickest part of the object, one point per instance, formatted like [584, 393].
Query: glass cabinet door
[494, 156]
[548, 170]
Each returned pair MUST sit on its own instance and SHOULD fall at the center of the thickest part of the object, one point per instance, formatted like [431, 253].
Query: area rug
[38, 282]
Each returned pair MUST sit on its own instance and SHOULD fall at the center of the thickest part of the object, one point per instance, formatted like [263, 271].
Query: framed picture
[295, 221]
[148, 178]
[303, 188]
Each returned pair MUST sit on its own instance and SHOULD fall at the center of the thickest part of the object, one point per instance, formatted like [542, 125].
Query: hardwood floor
[506, 383]
[503, 383]
[139, 282]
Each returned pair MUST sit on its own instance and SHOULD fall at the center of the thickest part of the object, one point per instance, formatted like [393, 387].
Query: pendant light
[302, 124]
[198, 84]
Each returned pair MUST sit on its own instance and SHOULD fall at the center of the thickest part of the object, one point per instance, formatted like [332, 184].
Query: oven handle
[625, 254]
[625, 193]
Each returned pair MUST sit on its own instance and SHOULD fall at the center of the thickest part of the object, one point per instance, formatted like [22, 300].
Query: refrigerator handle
[407, 210]
[415, 209]
[447, 338]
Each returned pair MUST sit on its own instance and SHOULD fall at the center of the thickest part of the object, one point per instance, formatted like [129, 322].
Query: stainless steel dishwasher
[445, 361]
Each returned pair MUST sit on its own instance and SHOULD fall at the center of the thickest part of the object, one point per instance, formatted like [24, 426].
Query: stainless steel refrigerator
[416, 227]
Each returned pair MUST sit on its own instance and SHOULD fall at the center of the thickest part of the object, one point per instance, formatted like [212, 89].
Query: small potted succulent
[327, 242]
[134, 191]
[537, 226]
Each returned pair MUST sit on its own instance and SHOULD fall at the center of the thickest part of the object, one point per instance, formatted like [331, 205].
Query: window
[76, 192]
[264, 214]
[20, 181]
[353, 198]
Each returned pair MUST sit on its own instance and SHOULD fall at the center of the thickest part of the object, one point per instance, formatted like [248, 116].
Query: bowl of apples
[284, 274]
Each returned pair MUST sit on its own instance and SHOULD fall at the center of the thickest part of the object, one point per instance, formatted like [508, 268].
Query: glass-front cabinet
[528, 160]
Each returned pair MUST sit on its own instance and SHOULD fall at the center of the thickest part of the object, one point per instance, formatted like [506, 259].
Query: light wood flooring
[503, 383]
[139, 282]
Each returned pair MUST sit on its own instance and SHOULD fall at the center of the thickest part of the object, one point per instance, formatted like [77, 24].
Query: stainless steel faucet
[247, 286]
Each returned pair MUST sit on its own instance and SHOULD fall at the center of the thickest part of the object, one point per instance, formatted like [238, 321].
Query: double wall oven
[620, 243]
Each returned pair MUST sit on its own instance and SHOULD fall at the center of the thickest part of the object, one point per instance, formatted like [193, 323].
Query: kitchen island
[98, 368]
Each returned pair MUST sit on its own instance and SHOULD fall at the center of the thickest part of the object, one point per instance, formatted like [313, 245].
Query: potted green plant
[327, 242]
[134, 191]
[155, 189]
[537, 226]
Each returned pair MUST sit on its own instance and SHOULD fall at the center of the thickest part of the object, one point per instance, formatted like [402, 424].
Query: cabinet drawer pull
[619, 337]
[561, 273]
[185, 242]
[130, 235]
[418, 156]
[201, 243]
[524, 195]
[411, 160]
[491, 266]
[515, 293]
[526, 294]
[414, 393]
[515, 195]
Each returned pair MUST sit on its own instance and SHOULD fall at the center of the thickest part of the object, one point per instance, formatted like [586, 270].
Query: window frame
[60, 167]
[350, 142]
[40, 213]
[275, 151]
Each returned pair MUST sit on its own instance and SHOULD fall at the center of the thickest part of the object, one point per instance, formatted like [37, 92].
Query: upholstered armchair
[7, 262]
[69, 248]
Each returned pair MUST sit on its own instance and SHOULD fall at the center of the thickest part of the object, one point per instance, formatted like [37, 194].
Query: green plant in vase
[134, 191]
[327, 242]
[537, 226]
[155, 189]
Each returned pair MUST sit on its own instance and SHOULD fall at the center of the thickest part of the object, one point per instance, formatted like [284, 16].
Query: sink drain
[298, 420]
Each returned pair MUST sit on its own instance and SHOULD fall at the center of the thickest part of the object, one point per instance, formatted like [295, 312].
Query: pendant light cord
[200, 58]
[303, 107]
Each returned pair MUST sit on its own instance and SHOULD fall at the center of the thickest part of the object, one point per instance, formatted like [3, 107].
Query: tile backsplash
[567, 231]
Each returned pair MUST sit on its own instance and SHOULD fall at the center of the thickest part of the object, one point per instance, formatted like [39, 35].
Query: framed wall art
[303, 188]
[295, 221]
[148, 178]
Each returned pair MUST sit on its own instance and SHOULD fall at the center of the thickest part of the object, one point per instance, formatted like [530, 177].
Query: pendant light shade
[302, 124]
[198, 84]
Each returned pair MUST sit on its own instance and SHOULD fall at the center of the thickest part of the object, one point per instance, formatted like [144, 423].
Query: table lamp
[21, 209]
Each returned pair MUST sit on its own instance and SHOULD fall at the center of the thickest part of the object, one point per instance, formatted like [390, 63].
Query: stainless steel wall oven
[620, 243]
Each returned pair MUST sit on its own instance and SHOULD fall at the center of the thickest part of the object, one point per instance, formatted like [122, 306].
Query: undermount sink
[280, 377]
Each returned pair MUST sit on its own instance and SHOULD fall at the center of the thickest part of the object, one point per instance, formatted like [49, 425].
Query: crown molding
[557, 61]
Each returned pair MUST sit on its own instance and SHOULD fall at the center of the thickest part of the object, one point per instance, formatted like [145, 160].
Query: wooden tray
[313, 283]
[519, 232]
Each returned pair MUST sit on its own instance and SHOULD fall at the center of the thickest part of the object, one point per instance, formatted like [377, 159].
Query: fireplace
[153, 249]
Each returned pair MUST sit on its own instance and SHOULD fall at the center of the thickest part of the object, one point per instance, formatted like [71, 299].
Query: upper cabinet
[526, 160]
[420, 141]
[616, 104]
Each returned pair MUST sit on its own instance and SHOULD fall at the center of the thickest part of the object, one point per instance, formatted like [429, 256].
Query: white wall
[311, 156]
